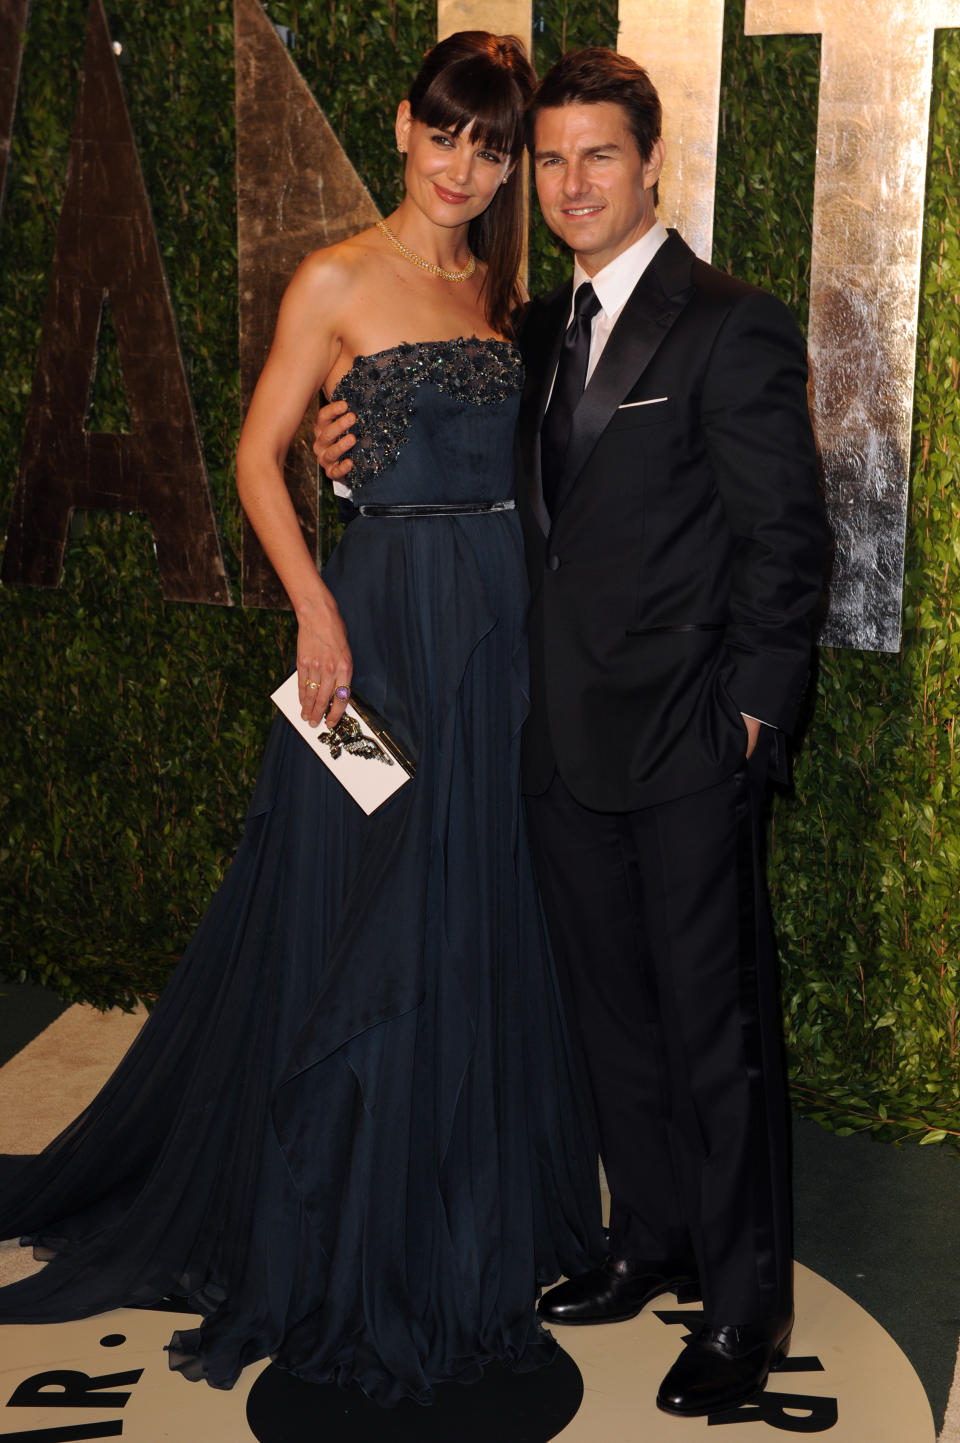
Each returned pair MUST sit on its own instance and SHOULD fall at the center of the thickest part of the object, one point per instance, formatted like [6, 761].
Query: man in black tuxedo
[675, 538]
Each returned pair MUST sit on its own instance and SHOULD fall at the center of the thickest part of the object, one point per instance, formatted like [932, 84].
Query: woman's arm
[305, 347]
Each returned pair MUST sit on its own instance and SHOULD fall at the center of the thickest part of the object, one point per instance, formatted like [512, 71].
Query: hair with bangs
[481, 80]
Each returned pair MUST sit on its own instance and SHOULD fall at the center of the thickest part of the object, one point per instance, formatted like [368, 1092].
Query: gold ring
[313, 686]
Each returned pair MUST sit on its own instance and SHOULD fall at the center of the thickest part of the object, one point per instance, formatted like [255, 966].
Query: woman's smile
[452, 197]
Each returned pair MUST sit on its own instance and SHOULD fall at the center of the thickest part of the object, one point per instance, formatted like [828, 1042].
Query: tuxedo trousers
[661, 932]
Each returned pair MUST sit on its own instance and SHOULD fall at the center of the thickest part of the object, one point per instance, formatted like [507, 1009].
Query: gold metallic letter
[502, 17]
[13, 22]
[107, 247]
[680, 43]
[296, 191]
[875, 84]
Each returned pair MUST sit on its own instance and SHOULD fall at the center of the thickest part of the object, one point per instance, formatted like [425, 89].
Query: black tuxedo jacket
[674, 584]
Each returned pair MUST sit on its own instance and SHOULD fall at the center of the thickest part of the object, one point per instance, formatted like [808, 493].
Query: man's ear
[404, 121]
[653, 164]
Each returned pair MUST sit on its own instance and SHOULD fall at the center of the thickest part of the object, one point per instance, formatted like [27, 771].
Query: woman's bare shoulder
[335, 272]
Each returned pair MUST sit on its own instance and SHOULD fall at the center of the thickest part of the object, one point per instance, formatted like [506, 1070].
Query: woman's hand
[324, 664]
[332, 438]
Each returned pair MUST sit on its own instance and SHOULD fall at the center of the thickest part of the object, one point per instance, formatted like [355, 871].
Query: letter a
[13, 22]
[107, 246]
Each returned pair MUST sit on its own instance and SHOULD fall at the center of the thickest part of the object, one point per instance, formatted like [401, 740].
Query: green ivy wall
[132, 727]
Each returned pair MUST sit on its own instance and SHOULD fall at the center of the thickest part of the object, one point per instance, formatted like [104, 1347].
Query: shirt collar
[614, 283]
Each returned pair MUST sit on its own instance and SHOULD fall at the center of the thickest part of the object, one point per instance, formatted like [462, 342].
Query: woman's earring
[400, 149]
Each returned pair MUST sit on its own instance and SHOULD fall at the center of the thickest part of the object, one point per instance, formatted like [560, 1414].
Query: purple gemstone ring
[342, 693]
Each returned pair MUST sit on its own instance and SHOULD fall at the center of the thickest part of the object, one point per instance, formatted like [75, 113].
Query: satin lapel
[655, 303]
[542, 339]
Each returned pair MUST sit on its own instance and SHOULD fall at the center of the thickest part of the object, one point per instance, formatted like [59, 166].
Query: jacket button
[553, 562]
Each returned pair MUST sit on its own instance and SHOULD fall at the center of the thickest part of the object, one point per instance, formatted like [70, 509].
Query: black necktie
[568, 387]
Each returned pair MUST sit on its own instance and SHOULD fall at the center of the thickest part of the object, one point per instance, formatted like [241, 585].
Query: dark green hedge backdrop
[132, 727]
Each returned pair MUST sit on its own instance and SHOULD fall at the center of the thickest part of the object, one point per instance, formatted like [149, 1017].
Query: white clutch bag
[359, 750]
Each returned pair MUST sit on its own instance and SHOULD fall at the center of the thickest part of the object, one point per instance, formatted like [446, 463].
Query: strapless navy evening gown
[348, 1132]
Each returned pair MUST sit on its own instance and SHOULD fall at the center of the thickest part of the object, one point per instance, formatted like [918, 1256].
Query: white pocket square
[654, 401]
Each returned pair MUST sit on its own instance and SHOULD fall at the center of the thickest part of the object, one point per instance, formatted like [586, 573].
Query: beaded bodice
[391, 390]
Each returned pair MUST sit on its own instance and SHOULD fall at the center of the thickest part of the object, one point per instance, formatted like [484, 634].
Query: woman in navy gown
[348, 1133]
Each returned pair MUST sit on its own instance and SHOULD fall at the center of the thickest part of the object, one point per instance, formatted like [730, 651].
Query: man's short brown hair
[595, 75]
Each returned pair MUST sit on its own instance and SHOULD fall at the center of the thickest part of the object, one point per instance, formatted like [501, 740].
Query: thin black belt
[439, 508]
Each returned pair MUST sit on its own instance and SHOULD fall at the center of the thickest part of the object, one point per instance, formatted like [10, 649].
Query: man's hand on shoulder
[333, 438]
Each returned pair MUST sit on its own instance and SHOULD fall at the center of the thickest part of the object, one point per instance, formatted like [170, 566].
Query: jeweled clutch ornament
[347, 736]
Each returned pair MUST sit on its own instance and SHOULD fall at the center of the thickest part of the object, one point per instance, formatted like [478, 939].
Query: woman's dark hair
[474, 78]
[593, 75]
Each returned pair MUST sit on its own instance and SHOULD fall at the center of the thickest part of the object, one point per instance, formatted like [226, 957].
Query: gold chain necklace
[410, 255]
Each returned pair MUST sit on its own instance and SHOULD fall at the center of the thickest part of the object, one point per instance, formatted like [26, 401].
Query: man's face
[595, 188]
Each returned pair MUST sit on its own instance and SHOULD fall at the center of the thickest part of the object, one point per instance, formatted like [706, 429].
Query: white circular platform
[862, 1374]
[846, 1380]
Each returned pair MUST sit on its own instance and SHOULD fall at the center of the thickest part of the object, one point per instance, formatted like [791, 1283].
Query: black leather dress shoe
[723, 1366]
[618, 1290]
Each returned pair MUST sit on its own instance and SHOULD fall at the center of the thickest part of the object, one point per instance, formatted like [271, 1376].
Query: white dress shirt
[614, 284]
